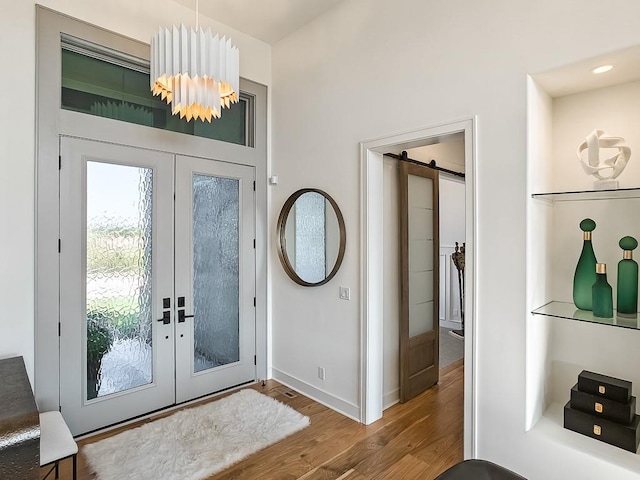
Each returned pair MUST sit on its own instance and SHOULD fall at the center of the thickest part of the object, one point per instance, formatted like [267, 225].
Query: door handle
[166, 318]
[182, 317]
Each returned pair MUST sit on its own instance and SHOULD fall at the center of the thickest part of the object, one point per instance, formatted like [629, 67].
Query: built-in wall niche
[564, 106]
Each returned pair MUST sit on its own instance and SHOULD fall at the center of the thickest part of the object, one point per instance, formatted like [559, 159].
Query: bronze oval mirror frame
[281, 239]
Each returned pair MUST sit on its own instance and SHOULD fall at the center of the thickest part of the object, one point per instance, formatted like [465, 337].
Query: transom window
[99, 81]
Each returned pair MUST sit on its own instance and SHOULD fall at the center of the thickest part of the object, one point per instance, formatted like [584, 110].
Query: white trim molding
[371, 375]
[327, 399]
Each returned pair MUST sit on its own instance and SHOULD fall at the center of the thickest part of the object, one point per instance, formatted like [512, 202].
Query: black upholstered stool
[478, 470]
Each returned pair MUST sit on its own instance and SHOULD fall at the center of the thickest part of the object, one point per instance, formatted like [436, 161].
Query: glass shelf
[620, 193]
[571, 312]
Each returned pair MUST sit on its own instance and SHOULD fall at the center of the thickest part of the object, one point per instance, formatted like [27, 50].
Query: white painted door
[215, 276]
[128, 342]
[116, 267]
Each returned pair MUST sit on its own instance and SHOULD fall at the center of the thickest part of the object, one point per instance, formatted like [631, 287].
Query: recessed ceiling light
[602, 69]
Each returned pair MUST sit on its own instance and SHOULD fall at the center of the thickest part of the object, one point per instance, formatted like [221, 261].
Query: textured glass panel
[118, 303]
[332, 233]
[310, 263]
[104, 89]
[216, 281]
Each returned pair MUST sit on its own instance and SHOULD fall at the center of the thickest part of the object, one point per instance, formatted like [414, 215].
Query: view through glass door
[127, 295]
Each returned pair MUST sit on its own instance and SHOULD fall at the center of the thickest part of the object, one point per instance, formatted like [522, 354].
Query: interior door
[419, 247]
[215, 276]
[116, 267]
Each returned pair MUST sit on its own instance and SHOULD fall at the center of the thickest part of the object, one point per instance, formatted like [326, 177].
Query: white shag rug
[195, 443]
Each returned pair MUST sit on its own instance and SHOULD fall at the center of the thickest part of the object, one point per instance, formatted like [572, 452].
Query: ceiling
[266, 20]
[577, 77]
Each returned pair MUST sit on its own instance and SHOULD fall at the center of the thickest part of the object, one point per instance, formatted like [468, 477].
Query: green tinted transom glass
[105, 89]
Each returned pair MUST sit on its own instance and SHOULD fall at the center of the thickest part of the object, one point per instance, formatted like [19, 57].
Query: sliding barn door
[419, 247]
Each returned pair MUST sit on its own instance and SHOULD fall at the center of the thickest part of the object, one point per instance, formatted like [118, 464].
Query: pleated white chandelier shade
[198, 73]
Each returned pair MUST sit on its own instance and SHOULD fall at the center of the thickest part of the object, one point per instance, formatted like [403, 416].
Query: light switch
[345, 293]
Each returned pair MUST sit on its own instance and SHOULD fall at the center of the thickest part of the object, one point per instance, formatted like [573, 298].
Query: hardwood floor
[415, 440]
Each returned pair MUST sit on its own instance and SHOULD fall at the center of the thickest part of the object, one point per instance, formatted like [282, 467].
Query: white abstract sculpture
[606, 171]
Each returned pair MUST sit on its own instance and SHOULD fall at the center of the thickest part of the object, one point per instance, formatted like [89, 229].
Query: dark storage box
[617, 434]
[603, 407]
[604, 386]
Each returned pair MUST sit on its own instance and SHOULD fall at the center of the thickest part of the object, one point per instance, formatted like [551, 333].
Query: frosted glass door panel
[421, 254]
[310, 250]
[215, 271]
[118, 282]
[420, 199]
[215, 276]
[421, 308]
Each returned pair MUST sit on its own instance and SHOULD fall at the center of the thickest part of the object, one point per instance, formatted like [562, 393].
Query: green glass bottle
[585, 275]
[627, 298]
[602, 293]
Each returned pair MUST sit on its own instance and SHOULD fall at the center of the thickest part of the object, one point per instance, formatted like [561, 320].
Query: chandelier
[195, 71]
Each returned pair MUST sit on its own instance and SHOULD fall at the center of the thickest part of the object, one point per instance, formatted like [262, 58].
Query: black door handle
[182, 316]
[166, 318]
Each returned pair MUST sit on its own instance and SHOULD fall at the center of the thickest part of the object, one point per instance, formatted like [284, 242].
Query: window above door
[100, 81]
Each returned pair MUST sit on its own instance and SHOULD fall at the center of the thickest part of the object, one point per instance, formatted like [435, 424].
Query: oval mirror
[311, 237]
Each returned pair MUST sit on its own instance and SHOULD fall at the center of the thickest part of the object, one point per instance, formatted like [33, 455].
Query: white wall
[612, 109]
[452, 230]
[539, 290]
[136, 19]
[391, 279]
[452, 212]
[372, 68]
[447, 154]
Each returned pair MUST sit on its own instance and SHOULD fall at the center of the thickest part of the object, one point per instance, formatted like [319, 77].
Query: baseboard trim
[390, 398]
[347, 409]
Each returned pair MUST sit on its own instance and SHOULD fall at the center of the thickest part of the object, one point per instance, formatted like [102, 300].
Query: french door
[157, 280]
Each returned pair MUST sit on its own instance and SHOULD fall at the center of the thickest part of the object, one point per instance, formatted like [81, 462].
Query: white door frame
[372, 273]
[53, 122]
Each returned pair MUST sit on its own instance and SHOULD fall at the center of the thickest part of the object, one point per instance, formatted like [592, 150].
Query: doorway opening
[375, 201]
[431, 296]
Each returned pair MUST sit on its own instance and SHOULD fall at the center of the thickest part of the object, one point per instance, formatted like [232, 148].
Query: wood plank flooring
[415, 440]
